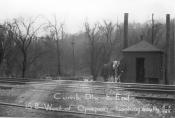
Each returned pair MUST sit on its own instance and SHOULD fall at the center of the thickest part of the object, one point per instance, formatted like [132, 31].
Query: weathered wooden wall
[153, 66]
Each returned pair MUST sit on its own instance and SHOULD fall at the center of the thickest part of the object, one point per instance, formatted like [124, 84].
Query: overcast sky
[75, 12]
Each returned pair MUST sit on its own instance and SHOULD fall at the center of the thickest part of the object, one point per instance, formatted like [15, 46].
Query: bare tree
[57, 33]
[153, 34]
[25, 32]
[7, 47]
[93, 37]
[109, 41]
[4, 43]
[101, 44]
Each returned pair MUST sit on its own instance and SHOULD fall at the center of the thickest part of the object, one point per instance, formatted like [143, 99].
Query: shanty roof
[142, 46]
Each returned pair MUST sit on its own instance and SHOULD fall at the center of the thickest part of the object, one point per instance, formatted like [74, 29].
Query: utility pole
[58, 56]
[152, 38]
[73, 54]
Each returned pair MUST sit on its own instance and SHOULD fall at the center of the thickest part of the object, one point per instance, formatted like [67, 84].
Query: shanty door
[140, 71]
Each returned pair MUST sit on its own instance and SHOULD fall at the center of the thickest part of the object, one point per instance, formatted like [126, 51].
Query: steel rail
[124, 85]
[21, 81]
[95, 93]
[102, 88]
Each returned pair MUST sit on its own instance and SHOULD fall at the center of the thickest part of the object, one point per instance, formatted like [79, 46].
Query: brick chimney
[125, 40]
[169, 56]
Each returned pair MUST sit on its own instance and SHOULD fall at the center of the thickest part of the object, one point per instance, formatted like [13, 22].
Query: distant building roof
[142, 46]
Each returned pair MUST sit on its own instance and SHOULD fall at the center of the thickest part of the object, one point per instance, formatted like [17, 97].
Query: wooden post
[125, 40]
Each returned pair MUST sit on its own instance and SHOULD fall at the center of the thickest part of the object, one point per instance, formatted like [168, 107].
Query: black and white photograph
[87, 59]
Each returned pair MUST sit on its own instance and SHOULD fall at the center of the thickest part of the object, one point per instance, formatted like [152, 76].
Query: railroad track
[118, 86]
[98, 85]
[25, 80]
[92, 90]
[20, 81]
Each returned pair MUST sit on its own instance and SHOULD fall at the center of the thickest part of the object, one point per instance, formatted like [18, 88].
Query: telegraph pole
[152, 41]
[73, 54]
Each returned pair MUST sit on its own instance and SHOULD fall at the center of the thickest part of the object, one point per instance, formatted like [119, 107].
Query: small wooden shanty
[144, 64]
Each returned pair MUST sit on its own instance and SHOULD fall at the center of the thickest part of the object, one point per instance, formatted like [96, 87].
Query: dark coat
[108, 70]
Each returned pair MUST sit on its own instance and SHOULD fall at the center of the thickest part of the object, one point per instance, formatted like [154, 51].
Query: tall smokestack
[169, 53]
[125, 41]
[173, 48]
